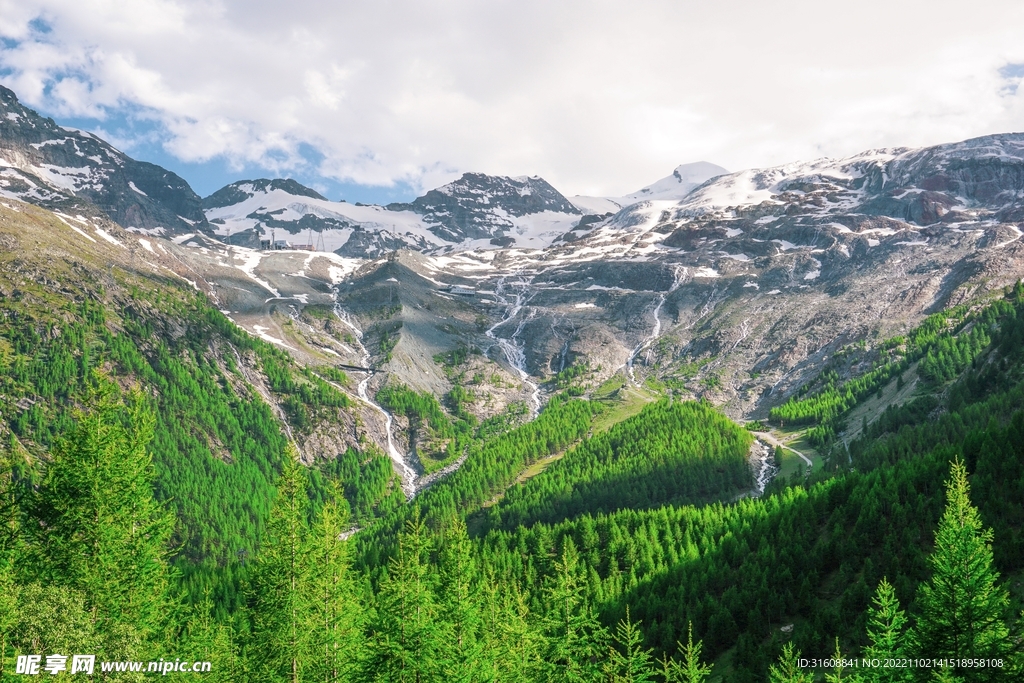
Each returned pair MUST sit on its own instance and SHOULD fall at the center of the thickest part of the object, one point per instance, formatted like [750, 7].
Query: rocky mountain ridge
[45, 164]
[740, 291]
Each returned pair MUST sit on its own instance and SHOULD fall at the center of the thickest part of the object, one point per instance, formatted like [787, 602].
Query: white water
[645, 345]
[514, 350]
[766, 468]
[402, 468]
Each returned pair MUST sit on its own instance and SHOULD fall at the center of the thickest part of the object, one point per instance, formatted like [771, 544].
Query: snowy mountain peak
[484, 207]
[241, 190]
[683, 180]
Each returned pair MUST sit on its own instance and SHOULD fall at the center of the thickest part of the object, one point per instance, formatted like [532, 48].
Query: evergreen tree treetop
[962, 608]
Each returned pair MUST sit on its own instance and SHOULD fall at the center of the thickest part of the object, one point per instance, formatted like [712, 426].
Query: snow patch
[107, 236]
[261, 332]
[76, 229]
[706, 272]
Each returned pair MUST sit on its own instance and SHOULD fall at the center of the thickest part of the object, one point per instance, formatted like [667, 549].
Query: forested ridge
[213, 438]
[669, 453]
[622, 561]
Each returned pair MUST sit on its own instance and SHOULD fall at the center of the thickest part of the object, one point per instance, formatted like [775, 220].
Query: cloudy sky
[376, 101]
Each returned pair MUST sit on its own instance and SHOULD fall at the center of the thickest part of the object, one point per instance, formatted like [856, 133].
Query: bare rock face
[481, 206]
[55, 167]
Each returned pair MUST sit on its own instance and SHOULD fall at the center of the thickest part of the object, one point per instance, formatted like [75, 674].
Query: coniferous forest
[151, 507]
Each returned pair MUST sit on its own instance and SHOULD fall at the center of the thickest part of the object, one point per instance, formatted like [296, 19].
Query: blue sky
[143, 139]
[378, 102]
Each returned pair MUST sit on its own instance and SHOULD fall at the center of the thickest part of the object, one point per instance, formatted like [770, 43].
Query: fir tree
[405, 643]
[887, 634]
[788, 669]
[839, 673]
[459, 607]
[279, 603]
[100, 532]
[9, 535]
[514, 645]
[628, 661]
[575, 637]
[962, 608]
[207, 640]
[336, 615]
[691, 670]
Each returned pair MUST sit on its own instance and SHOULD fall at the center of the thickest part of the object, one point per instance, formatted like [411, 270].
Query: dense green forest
[630, 557]
[669, 453]
[213, 438]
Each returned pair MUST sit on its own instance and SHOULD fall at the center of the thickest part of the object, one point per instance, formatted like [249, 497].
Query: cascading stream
[766, 468]
[678, 276]
[514, 351]
[403, 469]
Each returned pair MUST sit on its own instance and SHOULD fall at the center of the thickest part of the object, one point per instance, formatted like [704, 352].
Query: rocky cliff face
[475, 211]
[478, 206]
[43, 163]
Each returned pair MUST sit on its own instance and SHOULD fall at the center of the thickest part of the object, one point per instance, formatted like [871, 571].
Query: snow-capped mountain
[889, 193]
[43, 163]
[248, 211]
[683, 180]
[475, 211]
[678, 185]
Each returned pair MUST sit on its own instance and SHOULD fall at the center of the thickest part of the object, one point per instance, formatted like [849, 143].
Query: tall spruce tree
[691, 669]
[98, 529]
[514, 645]
[9, 536]
[628, 660]
[888, 636]
[405, 640]
[279, 605]
[576, 640]
[459, 608]
[962, 608]
[336, 615]
[788, 669]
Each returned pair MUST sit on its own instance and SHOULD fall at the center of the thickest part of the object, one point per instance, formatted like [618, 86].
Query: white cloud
[597, 97]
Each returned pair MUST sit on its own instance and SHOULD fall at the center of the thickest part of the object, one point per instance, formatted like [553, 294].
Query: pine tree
[279, 605]
[405, 642]
[575, 637]
[207, 640]
[629, 662]
[336, 615]
[691, 670]
[945, 675]
[788, 669]
[10, 532]
[459, 606]
[962, 608]
[514, 645]
[839, 673]
[99, 530]
[888, 636]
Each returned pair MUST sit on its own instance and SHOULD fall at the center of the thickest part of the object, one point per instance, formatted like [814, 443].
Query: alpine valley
[692, 433]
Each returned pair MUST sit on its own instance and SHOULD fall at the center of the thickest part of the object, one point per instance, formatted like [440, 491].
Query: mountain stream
[512, 347]
[402, 467]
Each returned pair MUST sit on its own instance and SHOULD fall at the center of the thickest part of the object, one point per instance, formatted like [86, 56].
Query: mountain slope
[81, 295]
[43, 163]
